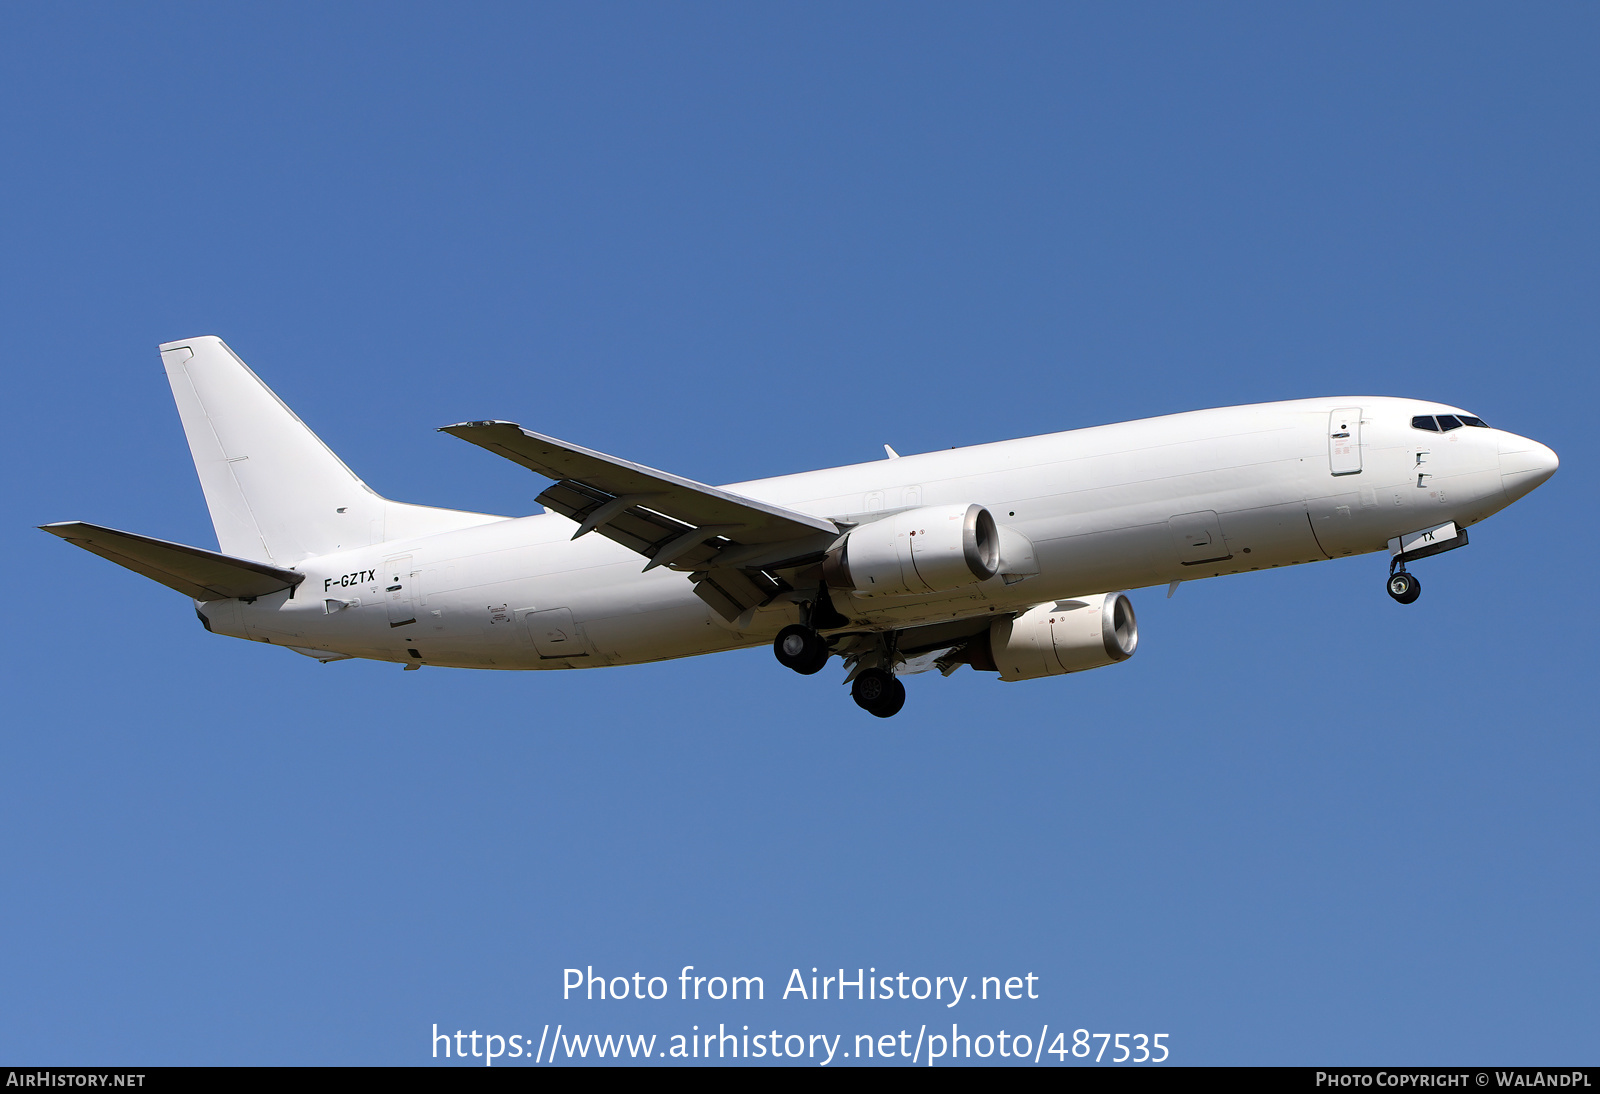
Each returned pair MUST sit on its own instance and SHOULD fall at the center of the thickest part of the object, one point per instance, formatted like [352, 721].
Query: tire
[878, 693]
[800, 648]
[1404, 587]
[893, 701]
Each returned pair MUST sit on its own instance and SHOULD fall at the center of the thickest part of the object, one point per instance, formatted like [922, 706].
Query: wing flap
[192, 571]
[693, 504]
[729, 591]
[730, 546]
[671, 521]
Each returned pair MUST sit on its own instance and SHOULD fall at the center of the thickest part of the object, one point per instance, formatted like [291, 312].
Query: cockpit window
[1444, 423]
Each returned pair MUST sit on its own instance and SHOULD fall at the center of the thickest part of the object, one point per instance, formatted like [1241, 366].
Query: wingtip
[475, 425]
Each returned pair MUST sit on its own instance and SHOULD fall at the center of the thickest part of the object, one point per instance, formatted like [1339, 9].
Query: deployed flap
[733, 544]
[200, 574]
[649, 511]
[682, 499]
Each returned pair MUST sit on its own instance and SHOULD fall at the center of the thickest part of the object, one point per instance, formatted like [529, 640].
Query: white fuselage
[1112, 507]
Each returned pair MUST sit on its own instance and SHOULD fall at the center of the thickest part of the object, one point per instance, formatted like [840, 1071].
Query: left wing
[732, 545]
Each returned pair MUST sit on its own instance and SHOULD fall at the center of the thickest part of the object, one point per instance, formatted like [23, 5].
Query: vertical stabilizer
[276, 492]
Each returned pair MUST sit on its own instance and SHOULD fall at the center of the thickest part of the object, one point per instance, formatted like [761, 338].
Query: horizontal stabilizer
[196, 573]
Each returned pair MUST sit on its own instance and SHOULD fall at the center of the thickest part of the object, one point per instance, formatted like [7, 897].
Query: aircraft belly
[615, 616]
[679, 630]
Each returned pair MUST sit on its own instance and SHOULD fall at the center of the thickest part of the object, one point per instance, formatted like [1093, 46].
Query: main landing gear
[875, 691]
[879, 693]
[1403, 586]
[800, 648]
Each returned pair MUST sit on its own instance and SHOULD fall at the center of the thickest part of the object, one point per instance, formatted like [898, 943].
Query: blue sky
[1303, 825]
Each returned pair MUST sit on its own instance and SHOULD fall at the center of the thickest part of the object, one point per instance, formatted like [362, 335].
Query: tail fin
[276, 492]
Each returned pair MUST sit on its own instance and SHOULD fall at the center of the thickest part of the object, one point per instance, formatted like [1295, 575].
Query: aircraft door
[1344, 441]
[555, 633]
[398, 583]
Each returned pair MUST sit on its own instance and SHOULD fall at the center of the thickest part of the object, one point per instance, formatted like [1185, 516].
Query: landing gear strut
[878, 693]
[1403, 586]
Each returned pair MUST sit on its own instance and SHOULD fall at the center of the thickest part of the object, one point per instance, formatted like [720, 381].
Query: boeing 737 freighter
[1008, 557]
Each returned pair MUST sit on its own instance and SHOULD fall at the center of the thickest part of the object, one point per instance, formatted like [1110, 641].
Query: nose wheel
[1404, 587]
[878, 693]
[800, 648]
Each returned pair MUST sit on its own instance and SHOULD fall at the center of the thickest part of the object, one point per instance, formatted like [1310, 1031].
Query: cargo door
[555, 633]
[398, 585]
[1344, 441]
[1198, 538]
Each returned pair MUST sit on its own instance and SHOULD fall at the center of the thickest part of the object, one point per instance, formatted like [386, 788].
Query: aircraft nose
[1524, 464]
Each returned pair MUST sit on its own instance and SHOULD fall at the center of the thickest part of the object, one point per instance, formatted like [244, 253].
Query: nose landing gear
[1403, 586]
[1411, 546]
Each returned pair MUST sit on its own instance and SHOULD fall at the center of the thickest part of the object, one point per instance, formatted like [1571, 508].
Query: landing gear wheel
[1404, 587]
[801, 648]
[878, 693]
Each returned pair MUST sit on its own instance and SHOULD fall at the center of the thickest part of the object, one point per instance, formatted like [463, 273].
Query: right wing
[192, 571]
[731, 545]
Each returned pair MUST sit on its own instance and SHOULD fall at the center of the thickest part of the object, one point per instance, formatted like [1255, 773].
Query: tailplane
[276, 492]
[202, 575]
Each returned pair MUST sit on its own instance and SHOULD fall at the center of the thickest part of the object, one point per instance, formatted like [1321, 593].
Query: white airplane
[1008, 557]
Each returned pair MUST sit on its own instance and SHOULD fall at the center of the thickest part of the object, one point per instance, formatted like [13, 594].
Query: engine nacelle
[931, 549]
[1064, 636]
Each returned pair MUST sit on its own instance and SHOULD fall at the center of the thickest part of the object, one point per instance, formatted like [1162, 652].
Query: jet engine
[1059, 637]
[930, 549]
